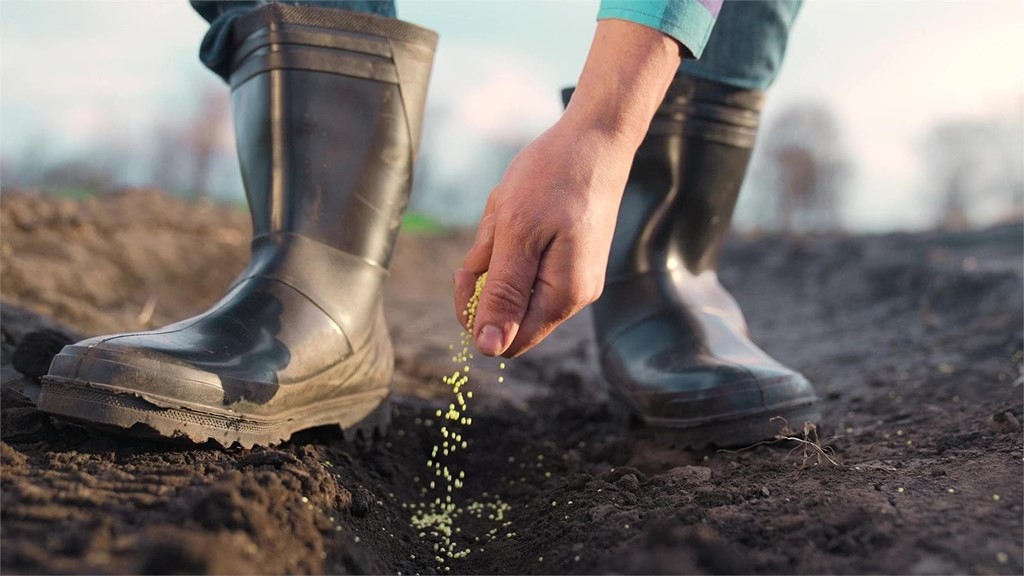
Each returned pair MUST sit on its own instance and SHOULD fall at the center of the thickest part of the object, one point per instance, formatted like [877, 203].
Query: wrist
[624, 80]
[603, 114]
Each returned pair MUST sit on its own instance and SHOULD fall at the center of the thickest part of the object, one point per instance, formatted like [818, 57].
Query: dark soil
[914, 343]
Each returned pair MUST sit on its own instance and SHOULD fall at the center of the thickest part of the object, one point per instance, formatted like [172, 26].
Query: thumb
[506, 293]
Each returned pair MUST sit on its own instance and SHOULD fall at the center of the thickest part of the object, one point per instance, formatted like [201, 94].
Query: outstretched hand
[544, 236]
[547, 229]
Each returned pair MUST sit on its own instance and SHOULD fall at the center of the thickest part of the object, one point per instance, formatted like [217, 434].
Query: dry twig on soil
[808, 441]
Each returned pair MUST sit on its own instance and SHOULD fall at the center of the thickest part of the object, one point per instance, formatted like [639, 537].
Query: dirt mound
[914, 341]
[100, 264]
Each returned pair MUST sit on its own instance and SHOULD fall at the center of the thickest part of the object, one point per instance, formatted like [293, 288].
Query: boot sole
[364, 416]
[727, 431]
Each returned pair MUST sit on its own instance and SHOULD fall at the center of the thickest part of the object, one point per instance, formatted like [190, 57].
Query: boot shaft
[328, 110]
[685, 179]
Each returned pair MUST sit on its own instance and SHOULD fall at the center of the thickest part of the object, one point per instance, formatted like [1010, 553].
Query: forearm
[624, 79]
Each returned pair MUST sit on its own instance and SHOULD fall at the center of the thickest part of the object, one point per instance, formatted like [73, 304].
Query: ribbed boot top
[333, 19]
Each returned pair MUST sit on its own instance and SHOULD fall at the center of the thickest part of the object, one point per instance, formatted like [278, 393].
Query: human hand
[547, 229]
[545, 236]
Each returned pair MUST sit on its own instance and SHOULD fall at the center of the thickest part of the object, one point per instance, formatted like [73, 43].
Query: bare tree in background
[204, 136]
[83, 175]
[169, 166]
[27, 167]
[976, 167]
[807, 167]
[185, 151]
[78, 175]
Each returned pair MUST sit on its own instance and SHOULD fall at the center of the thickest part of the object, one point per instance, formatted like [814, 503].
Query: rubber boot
[672, 341]
[327, 110]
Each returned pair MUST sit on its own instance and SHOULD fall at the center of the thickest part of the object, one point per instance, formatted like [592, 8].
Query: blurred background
[887, 115]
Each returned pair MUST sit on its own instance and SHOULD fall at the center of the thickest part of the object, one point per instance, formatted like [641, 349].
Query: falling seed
[437, 519]
[995, 497]
[1002, 557]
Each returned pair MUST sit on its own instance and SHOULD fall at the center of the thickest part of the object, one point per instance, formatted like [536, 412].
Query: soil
[914, 342]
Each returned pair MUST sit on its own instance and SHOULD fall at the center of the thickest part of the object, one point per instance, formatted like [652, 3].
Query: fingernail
[490, 341]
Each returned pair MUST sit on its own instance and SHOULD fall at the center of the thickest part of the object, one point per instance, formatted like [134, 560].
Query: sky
[80, 75]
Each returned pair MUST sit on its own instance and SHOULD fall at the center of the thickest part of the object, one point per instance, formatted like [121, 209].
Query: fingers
[571, 288]
[513, 266]
[479, 256]
[476, 262]
[465, 285]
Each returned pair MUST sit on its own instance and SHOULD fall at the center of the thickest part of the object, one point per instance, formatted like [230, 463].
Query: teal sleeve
[688, 21]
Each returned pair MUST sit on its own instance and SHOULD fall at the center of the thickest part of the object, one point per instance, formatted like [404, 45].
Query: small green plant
[420, 223]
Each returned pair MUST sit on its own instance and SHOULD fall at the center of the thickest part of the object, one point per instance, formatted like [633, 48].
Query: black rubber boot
[327, 109]
[673, 342]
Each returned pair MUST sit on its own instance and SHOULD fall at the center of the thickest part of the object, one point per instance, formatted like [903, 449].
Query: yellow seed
[438, 519]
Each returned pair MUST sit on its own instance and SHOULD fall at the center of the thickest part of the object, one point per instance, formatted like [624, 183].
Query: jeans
[747, 43]
[745, 49]
[215, 51]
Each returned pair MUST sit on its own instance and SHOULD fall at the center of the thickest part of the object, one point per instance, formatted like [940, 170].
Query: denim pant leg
[747, 44]
[214, 52]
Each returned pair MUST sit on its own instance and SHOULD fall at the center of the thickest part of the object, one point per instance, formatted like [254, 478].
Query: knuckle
[596, 286]
[505, 298]
[585, 291]
[523, 226]
[578, 296]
